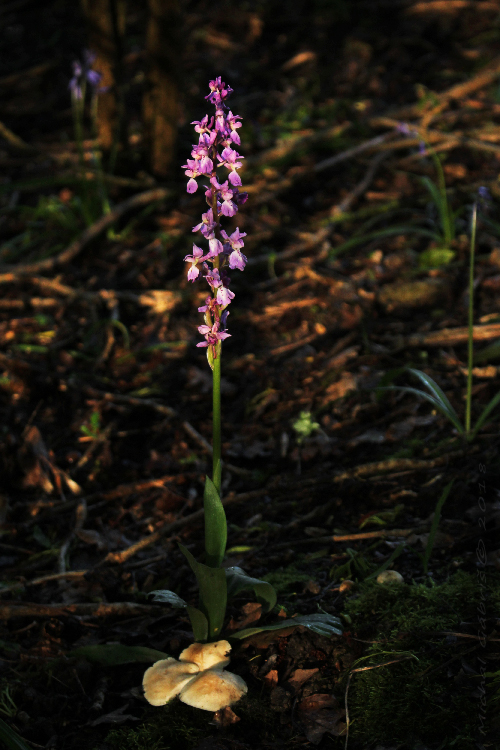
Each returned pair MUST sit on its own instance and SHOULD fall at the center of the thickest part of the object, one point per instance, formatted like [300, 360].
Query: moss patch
[429, 693]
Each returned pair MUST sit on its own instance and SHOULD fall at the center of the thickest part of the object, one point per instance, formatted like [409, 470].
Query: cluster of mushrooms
[198, 678]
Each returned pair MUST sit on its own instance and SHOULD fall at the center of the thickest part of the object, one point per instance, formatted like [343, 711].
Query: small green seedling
[94, 428]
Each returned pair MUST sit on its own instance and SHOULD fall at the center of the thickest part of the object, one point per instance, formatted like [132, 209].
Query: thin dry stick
[20, 585]
[346, 203]
[88, 609]
[350, 152]
[81, 515]
[451, 336]
[126, 554]
[460, 90]
[168, 412]
[14, 139]
[66, 256]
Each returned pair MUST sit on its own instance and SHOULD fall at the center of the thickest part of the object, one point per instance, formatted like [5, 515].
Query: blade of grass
[438, 394]
[435, 524]
[486, 412]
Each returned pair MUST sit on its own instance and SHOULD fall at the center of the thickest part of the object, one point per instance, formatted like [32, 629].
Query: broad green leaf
[486, 412]
[169, 597]
[199, 623]
[215, 525]
[323, 624]
[213, 592]
[435, 524]
[112, 654]
[10, 739]
[237, 580]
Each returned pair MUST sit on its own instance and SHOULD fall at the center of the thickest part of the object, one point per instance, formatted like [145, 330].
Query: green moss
[171, 727]
[283, 578]
[180, 727]
[416, 700]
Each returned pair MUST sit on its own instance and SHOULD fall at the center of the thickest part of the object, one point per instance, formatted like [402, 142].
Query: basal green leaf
[237, 580]
[169, 597]
[323, 624]
[215, 525]
[213, 592]
[199, 623]
[112, 654]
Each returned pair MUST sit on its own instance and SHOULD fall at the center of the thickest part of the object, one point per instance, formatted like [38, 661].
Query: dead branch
[126, 554]
[67, 255]
[168, 412]
[350, 152]
[392, 465]
[346, 203]
[451, 336]
[14, 140]
[28, 609]
[80, 516]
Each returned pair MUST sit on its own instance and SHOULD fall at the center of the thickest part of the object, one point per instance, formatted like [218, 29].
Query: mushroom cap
[214, 690]
[207, 655]
[390, 576]
[166, 678]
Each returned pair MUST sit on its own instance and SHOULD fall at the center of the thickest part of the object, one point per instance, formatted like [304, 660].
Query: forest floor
[357, 271]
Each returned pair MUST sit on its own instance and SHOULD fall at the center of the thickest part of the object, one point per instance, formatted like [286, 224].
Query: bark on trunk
[160, 101]
[106, 27]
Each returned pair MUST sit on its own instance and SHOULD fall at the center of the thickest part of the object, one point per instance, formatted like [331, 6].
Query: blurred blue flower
[83, 74]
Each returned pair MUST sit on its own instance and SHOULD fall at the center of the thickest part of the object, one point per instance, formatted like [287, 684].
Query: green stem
[470, 352]
[94, 114]
[217, 422]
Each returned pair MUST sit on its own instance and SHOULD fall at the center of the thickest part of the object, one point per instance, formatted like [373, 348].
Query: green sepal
[215, 525]
[199, 623]
[323, 624]
[213, 592]
[237, 580]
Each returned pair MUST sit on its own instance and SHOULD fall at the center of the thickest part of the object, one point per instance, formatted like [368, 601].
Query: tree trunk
[106, 27]
[160, 101]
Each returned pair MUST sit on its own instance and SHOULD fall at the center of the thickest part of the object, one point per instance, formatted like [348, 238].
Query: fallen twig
[346, 203]
[450, 336]
[81, 515]
[87, 609]
[354, 151]
[126, 554]
[67, 255]
[168, 412]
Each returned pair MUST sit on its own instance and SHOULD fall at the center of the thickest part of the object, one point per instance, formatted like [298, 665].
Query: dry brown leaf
[300, 676]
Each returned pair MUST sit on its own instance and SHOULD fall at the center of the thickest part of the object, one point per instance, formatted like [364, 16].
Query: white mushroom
[166, 678]
[197, 678]
[207, 655]
[390, 576]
